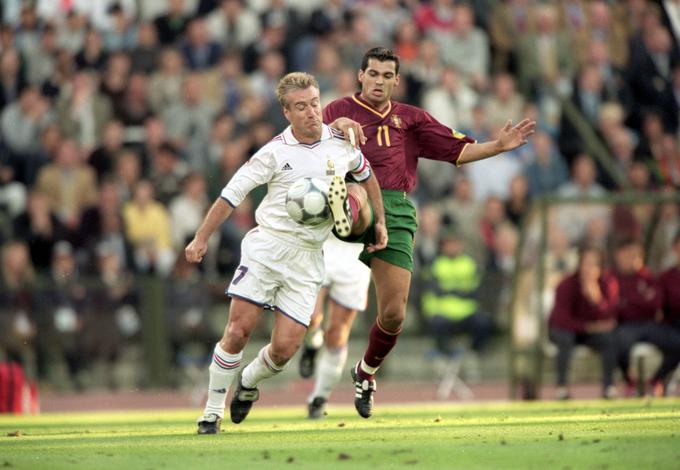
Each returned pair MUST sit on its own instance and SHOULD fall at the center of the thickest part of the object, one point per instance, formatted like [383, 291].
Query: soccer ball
[307, 201]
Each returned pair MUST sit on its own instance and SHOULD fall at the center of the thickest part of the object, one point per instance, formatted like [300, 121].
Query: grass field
[619, 434]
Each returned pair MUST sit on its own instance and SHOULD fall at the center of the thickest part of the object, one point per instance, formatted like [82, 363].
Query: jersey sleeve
[359, 166]
[256, 171]
[439, 142]
[332, 111]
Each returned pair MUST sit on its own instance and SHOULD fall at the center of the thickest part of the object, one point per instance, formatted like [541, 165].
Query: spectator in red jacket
[639, 314]
[584, 313]
[670, 288]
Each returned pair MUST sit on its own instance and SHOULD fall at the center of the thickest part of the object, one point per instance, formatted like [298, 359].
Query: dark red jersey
[573, 310]
[670, 288]
[397, 138]
[640, 298]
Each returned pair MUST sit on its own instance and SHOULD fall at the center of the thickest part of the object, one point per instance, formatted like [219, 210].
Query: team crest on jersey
[330, 167]
[396, 121]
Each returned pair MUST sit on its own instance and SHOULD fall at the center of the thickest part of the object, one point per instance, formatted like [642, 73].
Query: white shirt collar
[290, 139]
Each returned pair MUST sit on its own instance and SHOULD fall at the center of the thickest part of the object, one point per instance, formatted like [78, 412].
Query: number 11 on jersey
[384, 130]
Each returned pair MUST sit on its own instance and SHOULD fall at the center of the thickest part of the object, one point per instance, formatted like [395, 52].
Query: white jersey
[283, 161]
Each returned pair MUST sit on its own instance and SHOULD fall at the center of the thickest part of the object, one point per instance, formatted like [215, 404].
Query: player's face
[378, 81]
[303, 111]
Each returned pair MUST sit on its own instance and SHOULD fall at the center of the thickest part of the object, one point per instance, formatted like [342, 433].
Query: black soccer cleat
[242, 402]
[316, 409]
[363, 394]
[308, 362]
[209, 424]
[339, 206]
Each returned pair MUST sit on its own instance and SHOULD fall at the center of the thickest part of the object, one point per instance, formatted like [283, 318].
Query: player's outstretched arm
[375, 198]
[217, 214]
[510, 137]
[344, 125]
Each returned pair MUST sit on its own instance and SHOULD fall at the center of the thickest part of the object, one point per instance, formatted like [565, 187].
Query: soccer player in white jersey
[281, 265]
[343, 295]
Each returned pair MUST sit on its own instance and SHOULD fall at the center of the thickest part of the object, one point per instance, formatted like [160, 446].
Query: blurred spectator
[425, 72]
[650, 73]
[662, 237]
[547, 171]
[613, 76]
[585, 313]
[112, 317]
[167, 173]
[64, 308]
[122, 30]
[517, 204]
[509, 21]
[272, 67]
[573, 218]
[199, 50]
[92, 56]
[115, 77]
[504, 103]
[406, 42]
[464, 212]
[17, 302]
[449, 298]
[144, 56]
[588, 97]
[135, 108]
[171, 25]
[271, 39]
[165, 87]
[436, 18]
[466, 48]
[604, 23]
[385, 16]
[649, 146]
[492, 219]
[71, 33]
[187, 210]
[188, 121]
[639, 313]
[427, 248]
[69, 184]
[21, 124]
[326, 66]
[544, 55]
[147, 225]
[233, 155]
[128, 172]
[233, 25]
[666, 163]
[228, 85]
[103, 223]
[82, 111]
[492, 177]
[41, 58]
[102, 159]
[12, 196]
[670, 280]
[40, 228]
[451, 101]
[188, 316]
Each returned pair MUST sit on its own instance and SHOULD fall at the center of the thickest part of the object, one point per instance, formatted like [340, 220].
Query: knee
[358, 192]
[393, 315]
[235, 338]
[336, 336]
[280, 354]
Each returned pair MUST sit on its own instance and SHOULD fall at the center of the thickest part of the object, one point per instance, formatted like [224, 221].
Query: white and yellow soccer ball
[307, 201]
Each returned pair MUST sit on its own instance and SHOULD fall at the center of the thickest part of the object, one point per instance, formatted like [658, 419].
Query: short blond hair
[294, 81]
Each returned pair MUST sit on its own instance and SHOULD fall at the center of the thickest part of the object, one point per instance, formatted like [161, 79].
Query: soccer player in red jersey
[393, 136]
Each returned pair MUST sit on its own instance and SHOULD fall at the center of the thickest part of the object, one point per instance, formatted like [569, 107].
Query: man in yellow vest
[449, 299]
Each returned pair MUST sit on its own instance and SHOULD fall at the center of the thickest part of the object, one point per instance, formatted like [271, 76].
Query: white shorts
[347, 278]
[278, 275]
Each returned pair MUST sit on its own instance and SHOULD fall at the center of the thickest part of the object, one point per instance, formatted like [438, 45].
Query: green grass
[577, 435]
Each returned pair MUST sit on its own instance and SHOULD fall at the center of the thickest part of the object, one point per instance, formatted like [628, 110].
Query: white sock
[262, 367]
[368, 369]
[314, 338]
[222, 371]
[328, 372]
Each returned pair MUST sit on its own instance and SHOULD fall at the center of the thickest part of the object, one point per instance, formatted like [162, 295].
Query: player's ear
[396, 80]
[360, 76]
[286, 113]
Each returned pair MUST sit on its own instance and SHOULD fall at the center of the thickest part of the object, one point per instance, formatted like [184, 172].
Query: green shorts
[400, 218]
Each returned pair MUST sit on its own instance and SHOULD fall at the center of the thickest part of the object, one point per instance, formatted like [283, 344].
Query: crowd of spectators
[120, 120]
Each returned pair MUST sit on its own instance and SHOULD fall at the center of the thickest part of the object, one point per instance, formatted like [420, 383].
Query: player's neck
[378, 106]
[305, 139]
